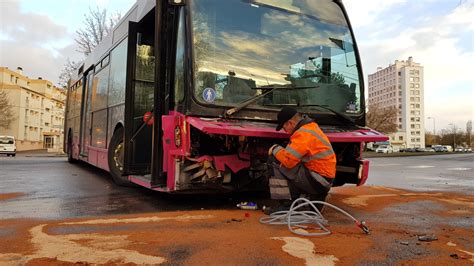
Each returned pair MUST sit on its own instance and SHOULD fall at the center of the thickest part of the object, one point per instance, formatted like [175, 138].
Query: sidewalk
[372, 154]
[40, 153]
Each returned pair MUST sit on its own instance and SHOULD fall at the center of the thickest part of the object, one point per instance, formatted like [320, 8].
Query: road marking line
[460, 169]
[420, 166]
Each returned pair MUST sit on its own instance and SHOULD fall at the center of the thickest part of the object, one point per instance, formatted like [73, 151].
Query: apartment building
[38, 108]
[400, 85]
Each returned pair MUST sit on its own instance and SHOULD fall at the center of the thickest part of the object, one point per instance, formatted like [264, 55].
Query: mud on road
[235, 237]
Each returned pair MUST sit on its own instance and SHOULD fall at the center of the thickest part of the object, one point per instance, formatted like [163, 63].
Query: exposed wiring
[295, 217]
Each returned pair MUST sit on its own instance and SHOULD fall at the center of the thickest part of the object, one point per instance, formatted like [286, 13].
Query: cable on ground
[298, 216]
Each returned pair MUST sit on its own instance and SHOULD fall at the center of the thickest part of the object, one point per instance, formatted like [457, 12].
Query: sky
[438, 34]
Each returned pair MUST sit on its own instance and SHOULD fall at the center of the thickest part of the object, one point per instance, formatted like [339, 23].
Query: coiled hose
[302, 218]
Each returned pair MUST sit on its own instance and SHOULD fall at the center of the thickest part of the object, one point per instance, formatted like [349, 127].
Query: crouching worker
[307, 165]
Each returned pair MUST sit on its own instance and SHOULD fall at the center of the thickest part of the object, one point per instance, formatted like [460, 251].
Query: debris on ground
[404, 243]
[247, 206]
[457, 256]
[427, 238]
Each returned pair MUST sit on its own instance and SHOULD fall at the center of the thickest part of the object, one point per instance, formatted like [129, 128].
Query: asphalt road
[52, 188]
[446, 172]
[55, 213]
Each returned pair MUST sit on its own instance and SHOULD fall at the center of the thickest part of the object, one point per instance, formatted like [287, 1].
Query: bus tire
[115, 159]
[70, 159]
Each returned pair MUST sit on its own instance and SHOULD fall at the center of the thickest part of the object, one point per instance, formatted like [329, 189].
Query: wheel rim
[118, 156]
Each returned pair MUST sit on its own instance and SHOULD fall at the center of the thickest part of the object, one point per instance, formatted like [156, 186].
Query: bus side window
[99, 91]
[118, 68]
[179, 71]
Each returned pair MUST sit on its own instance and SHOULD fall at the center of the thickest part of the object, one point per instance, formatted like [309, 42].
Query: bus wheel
[70, 159]
[115, 158]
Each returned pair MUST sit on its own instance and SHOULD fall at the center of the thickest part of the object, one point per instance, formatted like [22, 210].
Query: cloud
[34, 42]
[368, 12]
[38, 62]
[28, 27]
[440, 40]
[452, 109]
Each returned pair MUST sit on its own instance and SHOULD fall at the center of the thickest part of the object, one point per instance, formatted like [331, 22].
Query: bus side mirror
[177, 2]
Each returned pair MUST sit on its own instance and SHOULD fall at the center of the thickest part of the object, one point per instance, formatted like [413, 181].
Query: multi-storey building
[400, 85]
[38, 110]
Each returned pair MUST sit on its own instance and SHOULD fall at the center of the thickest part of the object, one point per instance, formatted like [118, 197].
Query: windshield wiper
[255, 98]
[338, 114]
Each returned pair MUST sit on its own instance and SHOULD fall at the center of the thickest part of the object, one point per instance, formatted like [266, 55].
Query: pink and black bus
[182, 95]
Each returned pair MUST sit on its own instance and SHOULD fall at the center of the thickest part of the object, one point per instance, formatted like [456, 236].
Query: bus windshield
[244, 47]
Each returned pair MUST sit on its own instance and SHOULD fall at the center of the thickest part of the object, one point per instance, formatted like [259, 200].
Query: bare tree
[6, 111]
[97, 24]
[67, 72]
[382, 119]
[96, 27]
[430, 139]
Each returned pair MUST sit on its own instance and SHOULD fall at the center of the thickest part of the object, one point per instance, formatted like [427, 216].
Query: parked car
[384, 149]
[440, 148]
[410, 150]
[8, 145]
[429, 150]
[459, 149]
[448, 148]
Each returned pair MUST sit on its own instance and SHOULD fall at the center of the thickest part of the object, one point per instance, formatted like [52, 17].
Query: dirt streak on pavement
[396, 218]
[7, 196]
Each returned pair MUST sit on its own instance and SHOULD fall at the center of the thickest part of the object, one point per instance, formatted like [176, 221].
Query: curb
[408, 154]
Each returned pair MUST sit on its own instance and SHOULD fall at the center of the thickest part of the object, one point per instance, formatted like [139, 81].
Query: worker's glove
[270, 151]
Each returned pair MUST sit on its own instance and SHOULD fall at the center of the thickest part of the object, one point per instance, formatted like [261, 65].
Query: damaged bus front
[237, 64]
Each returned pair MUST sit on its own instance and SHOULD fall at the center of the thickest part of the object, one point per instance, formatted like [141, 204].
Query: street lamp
[434, 127]
[454, 135]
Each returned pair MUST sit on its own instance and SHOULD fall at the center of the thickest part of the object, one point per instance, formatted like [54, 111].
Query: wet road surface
[52, 188]
[447, 172]
[55, 213]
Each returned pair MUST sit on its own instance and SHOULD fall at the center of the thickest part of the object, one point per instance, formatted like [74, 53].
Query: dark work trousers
[290, 183]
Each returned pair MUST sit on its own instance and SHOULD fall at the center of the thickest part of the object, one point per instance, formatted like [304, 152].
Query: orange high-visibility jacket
[308, 144]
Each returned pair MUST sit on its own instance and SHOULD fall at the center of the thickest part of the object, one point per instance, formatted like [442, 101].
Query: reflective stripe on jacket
[308, 144]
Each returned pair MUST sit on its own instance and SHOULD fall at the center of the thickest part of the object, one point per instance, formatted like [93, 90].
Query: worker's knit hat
[285, 114]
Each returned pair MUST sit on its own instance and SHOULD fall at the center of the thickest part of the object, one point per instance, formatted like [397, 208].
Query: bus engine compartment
[227, 160]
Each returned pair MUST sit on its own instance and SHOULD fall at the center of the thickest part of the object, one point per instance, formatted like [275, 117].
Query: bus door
[139, 98]
[86, 121]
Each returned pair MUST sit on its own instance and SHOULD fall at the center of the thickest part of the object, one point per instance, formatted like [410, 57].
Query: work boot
[320, 207]
[283, 205]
